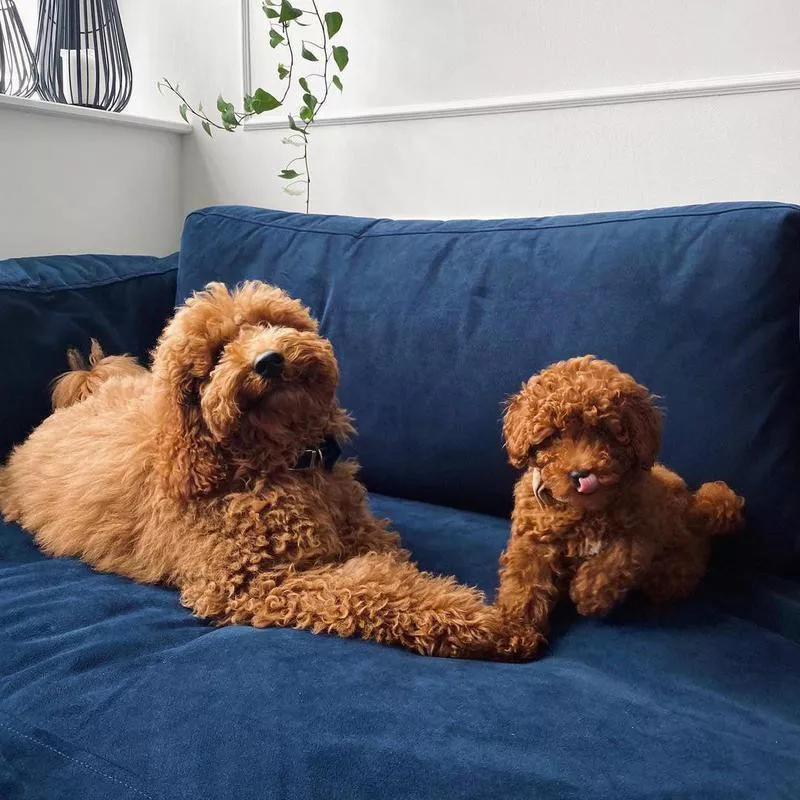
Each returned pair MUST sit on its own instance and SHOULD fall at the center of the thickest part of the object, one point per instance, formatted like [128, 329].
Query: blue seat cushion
[111, 689]
[52, 303]
[436, 323]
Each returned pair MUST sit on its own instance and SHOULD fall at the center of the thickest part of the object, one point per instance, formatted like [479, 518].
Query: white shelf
[31, 106]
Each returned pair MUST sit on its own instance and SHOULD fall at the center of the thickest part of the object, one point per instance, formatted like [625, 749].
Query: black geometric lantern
[17, 73]
[81, 55]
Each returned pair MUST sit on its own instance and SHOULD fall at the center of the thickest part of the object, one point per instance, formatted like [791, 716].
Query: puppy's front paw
[594, 601]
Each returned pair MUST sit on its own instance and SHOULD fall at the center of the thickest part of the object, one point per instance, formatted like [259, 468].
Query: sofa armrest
[50, 304]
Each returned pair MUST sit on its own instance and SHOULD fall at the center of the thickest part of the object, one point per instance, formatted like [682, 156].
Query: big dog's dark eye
[216, 353]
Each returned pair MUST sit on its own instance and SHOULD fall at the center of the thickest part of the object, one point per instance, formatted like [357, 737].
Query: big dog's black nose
[269, 364]
[577, 474]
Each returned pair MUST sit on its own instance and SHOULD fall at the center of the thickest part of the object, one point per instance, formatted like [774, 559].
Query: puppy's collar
[324, 455]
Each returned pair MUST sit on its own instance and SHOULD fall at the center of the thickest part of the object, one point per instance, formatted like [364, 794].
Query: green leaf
[305, 114]
[227, 113]
[341, 57]
[274, 38]
[271, 13]
[263, 101]
[294, 126]
[229, 119]
[206, 127]
[288, 12]
[337, 82]
[310, 101]
[308, 55]
[289, 174]
[282, 71]
[333, 21]
[248, 104]
[183, 109]
[304, 84]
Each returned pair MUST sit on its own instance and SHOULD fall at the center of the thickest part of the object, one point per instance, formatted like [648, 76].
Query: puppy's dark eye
[618, 431]
[536, 450]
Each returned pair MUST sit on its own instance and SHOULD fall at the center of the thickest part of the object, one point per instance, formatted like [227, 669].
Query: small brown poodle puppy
[593, 512]
[217, 472]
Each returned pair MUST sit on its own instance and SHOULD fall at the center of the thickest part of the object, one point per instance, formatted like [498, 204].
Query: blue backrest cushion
[436, 323]
[50, 304]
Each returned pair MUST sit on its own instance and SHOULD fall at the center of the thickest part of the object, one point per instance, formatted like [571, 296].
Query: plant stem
[194, 112]
[327, 60]
[291, 61]
[308, 175]
[320, 103]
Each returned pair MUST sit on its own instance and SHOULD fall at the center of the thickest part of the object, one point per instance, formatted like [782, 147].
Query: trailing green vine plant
[285, 28]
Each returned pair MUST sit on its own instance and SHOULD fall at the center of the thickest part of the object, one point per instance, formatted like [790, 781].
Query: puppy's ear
[642, 421]
[259, 303]
[525, 426]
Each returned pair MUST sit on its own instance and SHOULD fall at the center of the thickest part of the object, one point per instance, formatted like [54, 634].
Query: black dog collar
[325, 455]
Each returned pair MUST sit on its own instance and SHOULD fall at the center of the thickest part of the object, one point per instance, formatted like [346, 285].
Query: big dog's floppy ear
[189, 461]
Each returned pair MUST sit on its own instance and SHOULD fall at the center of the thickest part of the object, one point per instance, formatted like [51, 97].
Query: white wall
[741, 146]
[72, 185]
[78, 186]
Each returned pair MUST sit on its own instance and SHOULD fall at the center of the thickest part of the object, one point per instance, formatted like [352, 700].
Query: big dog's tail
[84, 379]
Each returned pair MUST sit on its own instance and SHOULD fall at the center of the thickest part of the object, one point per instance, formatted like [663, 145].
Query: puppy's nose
[269, 364]
[576, 475]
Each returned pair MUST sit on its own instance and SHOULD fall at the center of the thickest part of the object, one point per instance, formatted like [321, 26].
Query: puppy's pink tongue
[588, 484]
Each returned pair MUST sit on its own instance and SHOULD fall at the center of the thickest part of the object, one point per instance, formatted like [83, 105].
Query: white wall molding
[617, 95]
[31, 106]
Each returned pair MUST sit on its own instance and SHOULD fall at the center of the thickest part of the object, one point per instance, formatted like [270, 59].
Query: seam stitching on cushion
[85, 285]
[489, 230]
[75, 761]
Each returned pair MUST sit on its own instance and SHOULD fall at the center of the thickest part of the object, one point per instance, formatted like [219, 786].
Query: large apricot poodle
[594, 514]
[217, 472]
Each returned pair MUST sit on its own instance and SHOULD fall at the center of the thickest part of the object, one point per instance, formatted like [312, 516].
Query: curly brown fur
[594, 515]
[84, 379]
[184, 475]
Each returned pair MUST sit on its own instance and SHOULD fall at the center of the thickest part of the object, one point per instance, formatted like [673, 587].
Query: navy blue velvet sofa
[109, 689]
